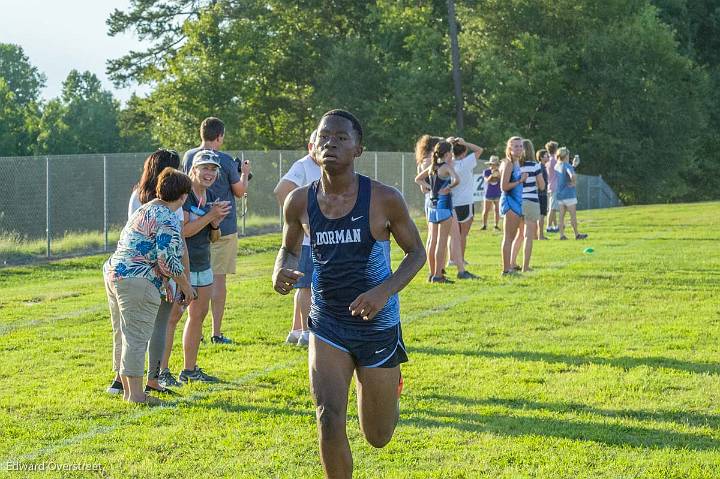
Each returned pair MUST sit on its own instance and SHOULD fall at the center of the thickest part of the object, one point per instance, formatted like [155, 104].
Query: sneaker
[167, 380]
[497, 227]
[563, 237]
[161, 390]
[440, 279]
[304, 339]
[466, 275]
[220, 339]
[581, 236]
[115, 388]
[196, 374]
[292, 337]
[484, 227]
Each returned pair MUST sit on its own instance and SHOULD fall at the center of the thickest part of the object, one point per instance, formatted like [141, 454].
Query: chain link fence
[77, 204]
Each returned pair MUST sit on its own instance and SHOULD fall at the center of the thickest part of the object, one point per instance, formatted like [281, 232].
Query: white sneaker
[293, 336]
[115, 388]
[304, 338]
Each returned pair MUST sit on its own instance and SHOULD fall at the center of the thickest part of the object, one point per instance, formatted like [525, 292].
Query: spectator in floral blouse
[148, 254]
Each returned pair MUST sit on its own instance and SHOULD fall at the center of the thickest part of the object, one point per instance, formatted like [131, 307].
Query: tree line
[633, 86]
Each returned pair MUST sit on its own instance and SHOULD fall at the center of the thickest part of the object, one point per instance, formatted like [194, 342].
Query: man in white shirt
[462, 196]
[303, 172]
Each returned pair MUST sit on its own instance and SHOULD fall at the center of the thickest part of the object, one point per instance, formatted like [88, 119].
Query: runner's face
[336, 145]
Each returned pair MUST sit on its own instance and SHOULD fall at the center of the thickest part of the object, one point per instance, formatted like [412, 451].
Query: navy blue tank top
[347, 262]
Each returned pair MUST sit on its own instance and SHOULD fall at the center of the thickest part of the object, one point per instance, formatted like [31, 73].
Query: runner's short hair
[348, 116]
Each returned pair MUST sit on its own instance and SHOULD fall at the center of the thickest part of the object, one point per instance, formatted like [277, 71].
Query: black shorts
[464, 212]
[367, 348]
[543, 204]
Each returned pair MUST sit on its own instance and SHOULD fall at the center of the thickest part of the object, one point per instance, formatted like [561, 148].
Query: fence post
[587, 193]
[376, 165]
[402, 174]
[105, 202]
[47, 205]
[243, 203]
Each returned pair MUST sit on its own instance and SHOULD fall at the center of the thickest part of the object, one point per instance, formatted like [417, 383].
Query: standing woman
[442, 178]
[530, 206]
[148, 254]
[511, 183]
[203, 214]
[566, 193]
[423, 159]
[144, 192]
[464, 160]
[492, 191]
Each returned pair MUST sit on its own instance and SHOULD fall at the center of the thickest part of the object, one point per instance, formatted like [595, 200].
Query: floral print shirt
[150, 247]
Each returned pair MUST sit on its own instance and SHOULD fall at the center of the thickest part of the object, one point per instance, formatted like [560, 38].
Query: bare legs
[197, 310]
[330, 373]
[173, 321]
[437, 250]
[573, 220]
[512, 222]
[456, 251]
[487, 204]
[219, 295]
[301, 309]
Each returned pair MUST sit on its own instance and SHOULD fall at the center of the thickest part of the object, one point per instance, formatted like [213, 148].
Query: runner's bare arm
[406, 235]
[285, 273]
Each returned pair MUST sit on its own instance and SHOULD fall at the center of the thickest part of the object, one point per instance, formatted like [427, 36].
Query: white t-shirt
[303, 172]
[135, 204]
[463, 194]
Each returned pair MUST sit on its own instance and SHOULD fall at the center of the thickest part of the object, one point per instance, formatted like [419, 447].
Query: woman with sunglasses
[203, 213]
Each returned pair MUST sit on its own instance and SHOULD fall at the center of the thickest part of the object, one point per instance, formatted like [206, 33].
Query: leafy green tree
[20, 85]
[83, 120]
[23, 79]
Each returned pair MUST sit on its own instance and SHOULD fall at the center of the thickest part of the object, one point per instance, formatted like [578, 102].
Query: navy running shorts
[368, 348]
[305, 265]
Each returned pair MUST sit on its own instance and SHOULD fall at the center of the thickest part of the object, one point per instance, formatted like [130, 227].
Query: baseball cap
[205, 157]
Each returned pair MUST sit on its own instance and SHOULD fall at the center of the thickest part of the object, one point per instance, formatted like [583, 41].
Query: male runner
[354, 317]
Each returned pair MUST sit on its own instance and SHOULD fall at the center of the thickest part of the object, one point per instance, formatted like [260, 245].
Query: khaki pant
[134, 304]
[223, 254]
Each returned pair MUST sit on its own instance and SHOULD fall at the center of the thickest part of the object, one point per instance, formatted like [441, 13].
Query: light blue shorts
[198, 279]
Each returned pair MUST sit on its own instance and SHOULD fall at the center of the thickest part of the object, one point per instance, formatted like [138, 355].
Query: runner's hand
[284, 280]
[368, 304]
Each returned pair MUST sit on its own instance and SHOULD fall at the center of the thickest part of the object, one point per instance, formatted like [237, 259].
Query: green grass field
[602, 365]
[16, 249]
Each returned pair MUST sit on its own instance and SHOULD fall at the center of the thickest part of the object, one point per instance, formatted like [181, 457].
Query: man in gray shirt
[229, 185]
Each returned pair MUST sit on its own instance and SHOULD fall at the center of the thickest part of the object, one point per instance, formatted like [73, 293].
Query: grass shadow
[678, 417]
[624, 362]
[516, 426]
